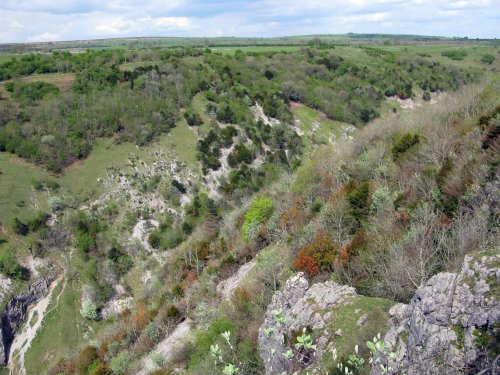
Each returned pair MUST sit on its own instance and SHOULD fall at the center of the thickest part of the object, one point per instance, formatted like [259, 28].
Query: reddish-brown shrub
[306, 264]
[322, 249]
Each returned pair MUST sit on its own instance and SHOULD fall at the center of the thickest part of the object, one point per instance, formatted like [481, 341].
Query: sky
[51, 20]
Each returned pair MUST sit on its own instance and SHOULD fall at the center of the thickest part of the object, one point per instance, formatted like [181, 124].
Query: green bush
[154, 239]
[10, 267]
[403, 143]
[89, 310]
[210, 337]
[121, 363]
[455, 54]
[260, 210]
[488, 58]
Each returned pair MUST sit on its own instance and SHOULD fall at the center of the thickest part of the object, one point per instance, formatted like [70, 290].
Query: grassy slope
[345, 319]
[309, 118]
[63, 331]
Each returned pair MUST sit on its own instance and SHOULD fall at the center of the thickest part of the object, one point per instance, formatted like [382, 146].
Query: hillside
[233, 209]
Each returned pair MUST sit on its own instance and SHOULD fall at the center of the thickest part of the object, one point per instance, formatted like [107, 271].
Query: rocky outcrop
[295, 308]
[451, 325]
[16, 311]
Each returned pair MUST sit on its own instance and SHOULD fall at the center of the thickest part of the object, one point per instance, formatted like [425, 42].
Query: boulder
[297, 307]
[439, 330]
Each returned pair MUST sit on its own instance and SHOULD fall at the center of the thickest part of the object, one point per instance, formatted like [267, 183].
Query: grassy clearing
[128, 67]
[61, 80]
[345, 319]
[316, 127]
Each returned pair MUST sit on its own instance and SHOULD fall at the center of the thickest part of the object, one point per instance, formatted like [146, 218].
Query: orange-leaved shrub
[306, 264]
[322, 250]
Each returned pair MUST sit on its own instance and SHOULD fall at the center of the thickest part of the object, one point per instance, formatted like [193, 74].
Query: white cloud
[44, 37]
[26, 20]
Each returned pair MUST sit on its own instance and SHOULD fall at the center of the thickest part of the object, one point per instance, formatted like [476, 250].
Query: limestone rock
[292, 309]
[436, 332]
[16, 311]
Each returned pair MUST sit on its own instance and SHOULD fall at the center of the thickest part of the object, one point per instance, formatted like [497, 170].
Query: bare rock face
[451, 324]
[15, 314]
[291, 310]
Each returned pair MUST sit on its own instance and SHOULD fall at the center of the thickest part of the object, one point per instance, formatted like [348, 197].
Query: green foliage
[403, 143]
[30, 93]
[258, 213]
[455, 54]
[192, 117]
[89, 310]
[120, 364]
[153, 332]
[10, 267]
[359, 196]
[488, 58]
[205, 339]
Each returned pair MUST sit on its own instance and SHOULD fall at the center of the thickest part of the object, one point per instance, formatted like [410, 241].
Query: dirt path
[22, 340]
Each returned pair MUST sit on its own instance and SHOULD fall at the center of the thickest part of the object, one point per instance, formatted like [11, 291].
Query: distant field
[232, 50]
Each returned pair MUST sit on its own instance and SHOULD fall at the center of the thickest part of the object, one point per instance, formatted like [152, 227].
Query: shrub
[154, 239]
[488, 58]
[10, 267]
[455, 54]
[403, 143]
[121, 363]
[172, 312]
[260, 210]
[89, 310]
[358, 197]
[426, 96]
[55, 203]
[153, 332]
[306, 264]
[86, 358]
[322, 250]
[20, 227]
[192, 118]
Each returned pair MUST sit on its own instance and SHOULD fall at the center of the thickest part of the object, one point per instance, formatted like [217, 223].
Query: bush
[55, 203]
[403, 143]
[192, 118]
[121, 363]
[20, 227]
[154, 239]
[320, 252]
[89, 310]
[306, 264]
[455, 54]
[260, 210]
[87, 357]
[10, 267]
[488, 58]
[153, 332]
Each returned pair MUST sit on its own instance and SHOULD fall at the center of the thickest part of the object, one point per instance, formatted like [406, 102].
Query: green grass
[345, 318]
[18, 198]
[63, 331]
[310, 118]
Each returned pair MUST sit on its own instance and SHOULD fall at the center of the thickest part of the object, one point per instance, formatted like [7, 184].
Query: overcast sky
[46, 20]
